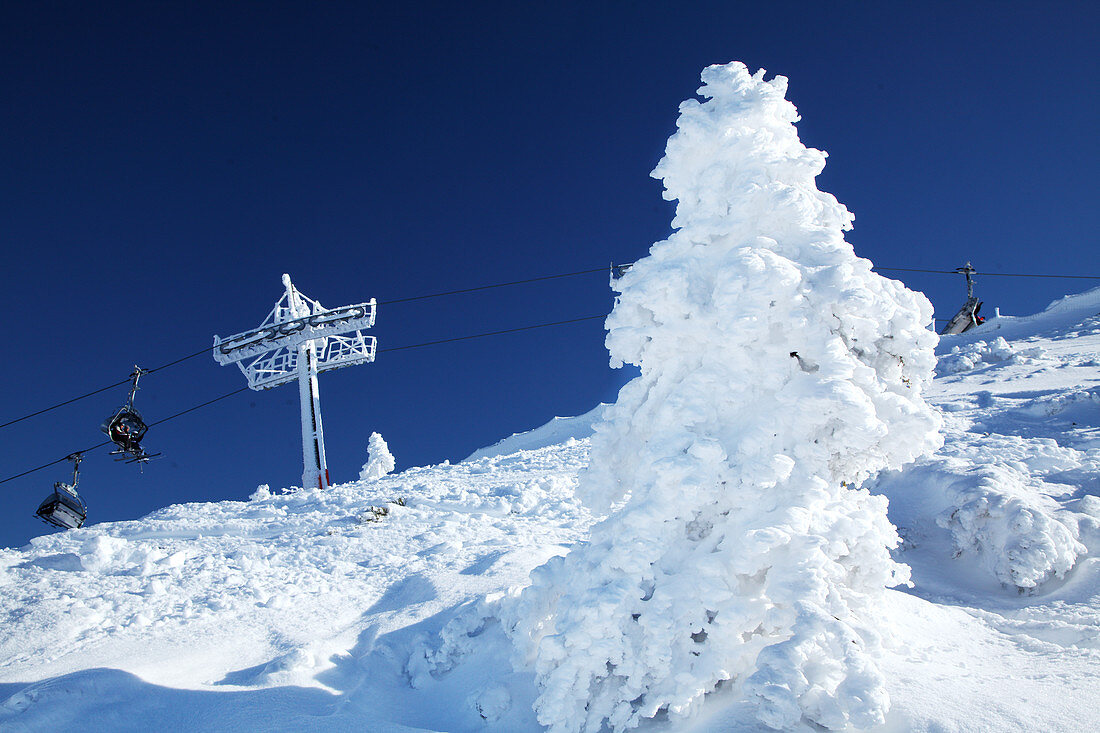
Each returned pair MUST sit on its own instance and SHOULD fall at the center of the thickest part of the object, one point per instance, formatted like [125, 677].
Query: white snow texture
[777, 373]
[380, 461]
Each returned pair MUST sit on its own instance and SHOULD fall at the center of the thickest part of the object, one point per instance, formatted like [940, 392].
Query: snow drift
[777, 373]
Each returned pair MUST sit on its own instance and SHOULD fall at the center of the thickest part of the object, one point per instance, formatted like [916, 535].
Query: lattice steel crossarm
[278, 367]
[275, 332]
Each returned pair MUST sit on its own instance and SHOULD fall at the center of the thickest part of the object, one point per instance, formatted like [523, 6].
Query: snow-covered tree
[777, 373]
[379, 459]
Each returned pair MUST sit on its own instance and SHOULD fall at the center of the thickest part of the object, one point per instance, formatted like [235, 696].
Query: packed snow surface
[300, 610]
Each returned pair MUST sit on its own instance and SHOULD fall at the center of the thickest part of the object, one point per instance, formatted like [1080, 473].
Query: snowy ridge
[555, 432]
[1061, 313]
[271, 612]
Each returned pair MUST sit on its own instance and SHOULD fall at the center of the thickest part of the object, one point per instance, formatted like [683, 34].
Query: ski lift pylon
[298, 340]
[65, 508]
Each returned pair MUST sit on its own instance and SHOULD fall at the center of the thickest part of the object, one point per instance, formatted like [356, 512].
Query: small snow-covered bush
[984, 353]
[777, 373]
[457, 639]
[1019, 534]
[1014, 506]
[262, 493]
[379, 459]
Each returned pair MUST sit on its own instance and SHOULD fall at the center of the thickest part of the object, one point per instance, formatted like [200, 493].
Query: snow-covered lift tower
[298, 340]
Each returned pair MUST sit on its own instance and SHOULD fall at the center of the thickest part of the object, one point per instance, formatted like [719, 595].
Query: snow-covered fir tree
[777, 373]
[379, 459]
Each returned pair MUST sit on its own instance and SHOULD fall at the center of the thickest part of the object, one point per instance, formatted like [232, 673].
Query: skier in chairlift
[126, 430]
[120, 435]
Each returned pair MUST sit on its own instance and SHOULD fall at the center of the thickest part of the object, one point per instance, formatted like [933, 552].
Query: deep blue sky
[164, 163]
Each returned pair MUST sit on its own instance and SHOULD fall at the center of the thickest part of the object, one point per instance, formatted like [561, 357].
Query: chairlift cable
[108, 442]
[66, 402]
[197, 407]
[243, 389]
[53, 463]
[101, 389]
[206, 349]
[525, 281]
[494, 285]
[1036, 274]
[491, 333]
[986, 274]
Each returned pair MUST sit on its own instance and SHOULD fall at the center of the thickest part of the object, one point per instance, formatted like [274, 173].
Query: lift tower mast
[299, 339]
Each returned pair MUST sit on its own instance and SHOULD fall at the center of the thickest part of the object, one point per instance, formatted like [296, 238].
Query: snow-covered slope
[555, 432]
[291, 611]
[300, 610]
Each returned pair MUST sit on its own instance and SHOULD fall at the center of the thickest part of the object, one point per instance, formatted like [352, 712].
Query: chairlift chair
[967, 316]
[65, 508]
[126, 429]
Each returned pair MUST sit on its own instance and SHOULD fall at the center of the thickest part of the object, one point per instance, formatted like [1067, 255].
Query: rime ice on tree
[379, 459]
[777, 373]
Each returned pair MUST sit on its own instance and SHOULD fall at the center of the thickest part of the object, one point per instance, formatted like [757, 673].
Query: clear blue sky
[165, 162]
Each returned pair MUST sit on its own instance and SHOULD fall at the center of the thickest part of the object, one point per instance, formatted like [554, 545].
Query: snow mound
[1078, 406]
[982, 353]
[1021, 535]
[1018, 512]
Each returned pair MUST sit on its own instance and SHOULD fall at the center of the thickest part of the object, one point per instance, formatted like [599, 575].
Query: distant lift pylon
[299, 339]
